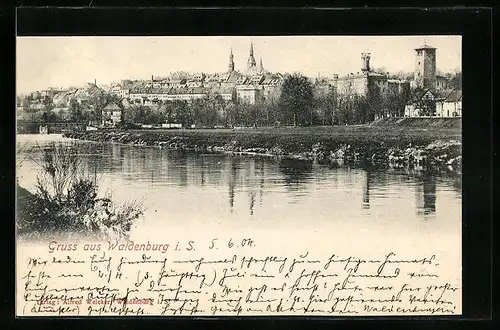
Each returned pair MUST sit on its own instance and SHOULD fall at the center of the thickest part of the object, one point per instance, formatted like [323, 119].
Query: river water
[196, 192]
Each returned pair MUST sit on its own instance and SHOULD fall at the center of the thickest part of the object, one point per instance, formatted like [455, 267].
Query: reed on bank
[67, 201]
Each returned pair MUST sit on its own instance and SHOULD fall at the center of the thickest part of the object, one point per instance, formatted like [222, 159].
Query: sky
[43, 62]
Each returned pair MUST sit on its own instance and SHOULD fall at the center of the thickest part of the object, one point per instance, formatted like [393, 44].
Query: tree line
[80, 112]
[300, 103]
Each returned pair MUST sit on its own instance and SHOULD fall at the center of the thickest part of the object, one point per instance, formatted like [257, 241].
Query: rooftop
[425, 46]
[112, 106]
[455, 96]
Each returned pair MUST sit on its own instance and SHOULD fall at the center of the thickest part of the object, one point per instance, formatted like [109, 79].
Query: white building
[422, 104]
[250, 94]
[111, 115]
[451, 106]
[433, 104]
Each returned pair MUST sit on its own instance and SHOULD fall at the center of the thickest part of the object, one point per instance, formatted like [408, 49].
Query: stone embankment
[439, 153]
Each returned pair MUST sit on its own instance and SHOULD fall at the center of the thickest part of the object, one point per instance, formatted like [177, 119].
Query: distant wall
[53, 128]
[419, 122]
[27, 128]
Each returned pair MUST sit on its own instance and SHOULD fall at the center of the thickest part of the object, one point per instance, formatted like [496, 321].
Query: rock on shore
[439, 153]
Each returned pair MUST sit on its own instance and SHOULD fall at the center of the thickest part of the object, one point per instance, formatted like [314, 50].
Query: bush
[128, 125]
[66, 200]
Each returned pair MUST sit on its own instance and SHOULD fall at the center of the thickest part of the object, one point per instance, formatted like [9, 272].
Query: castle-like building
[375, 86]
[368, 83]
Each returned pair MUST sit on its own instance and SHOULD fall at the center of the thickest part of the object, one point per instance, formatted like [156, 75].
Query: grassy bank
[398, 146]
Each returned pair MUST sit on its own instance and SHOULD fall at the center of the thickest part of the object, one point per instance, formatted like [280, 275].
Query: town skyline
[74, 61]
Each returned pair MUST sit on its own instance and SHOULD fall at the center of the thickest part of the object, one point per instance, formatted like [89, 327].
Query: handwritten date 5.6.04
[245, 242]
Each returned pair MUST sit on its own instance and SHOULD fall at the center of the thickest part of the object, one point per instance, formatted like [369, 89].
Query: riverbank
[379, 146]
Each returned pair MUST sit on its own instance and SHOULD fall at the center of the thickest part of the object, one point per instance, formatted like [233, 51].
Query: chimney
[95, 82]
[365, 59]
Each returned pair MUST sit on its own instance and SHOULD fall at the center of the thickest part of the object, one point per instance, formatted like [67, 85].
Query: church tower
[231, 61]
[425, 67]
[251, 60]
[261, 66]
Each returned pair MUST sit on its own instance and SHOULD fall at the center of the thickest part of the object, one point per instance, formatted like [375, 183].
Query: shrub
[66, 200]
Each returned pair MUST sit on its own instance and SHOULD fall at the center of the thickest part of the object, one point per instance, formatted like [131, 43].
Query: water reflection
[366, 190]
[261, 183]
[296, 173]
[232, 182]
[426, 195]
[258, 186]
[296, 176]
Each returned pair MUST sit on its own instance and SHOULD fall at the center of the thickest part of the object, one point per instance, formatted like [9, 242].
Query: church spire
[231, 61]
[261, 66]
[251, 60]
